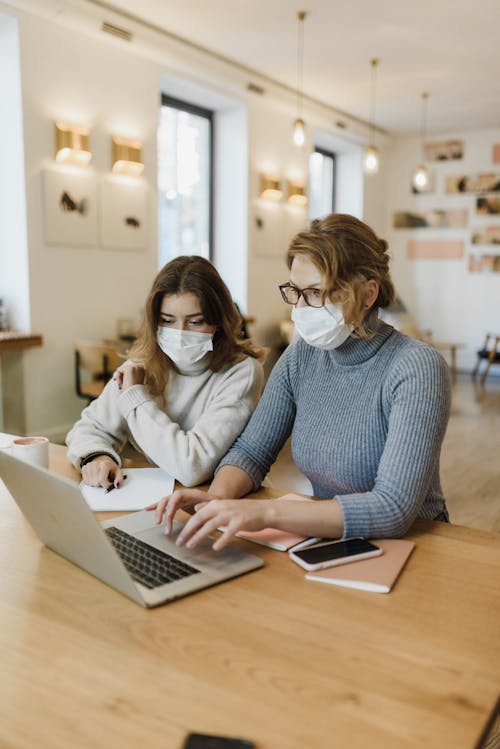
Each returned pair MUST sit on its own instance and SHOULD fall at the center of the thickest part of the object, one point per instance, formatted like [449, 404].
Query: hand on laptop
[182, 499]
[210, 514]
[231, 514]
[102, 471]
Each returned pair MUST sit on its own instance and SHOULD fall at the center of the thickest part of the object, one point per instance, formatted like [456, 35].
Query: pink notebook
[377, 574]
[279, 540]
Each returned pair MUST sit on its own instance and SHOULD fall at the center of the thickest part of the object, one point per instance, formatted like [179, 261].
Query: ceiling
[448, 48]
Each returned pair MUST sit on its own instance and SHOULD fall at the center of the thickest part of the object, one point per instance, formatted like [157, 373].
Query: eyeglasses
[291, 295]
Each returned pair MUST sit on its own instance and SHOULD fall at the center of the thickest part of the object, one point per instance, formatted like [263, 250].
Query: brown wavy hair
[347, 253]
[191, 275]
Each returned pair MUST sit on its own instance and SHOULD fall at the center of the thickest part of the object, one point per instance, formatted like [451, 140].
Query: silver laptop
[130, 553]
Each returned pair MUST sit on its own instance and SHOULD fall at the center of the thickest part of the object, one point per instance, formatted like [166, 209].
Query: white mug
[34, 450]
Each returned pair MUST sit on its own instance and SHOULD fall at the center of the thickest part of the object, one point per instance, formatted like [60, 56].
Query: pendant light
[299, 126]
[420, 180]
[371, 156]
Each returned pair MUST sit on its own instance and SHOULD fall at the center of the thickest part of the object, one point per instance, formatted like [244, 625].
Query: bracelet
[88, 458]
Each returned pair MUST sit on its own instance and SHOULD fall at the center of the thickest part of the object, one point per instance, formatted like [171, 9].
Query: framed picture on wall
[436, 218]
[488, 205]
[484, 263]
[444, 150]
[275, 226]
[486, 235]
[123, 213]
[473, 183]
[435, 249]
[70, 210]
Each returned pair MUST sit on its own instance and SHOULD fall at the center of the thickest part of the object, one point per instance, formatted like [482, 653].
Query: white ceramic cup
[34, 450]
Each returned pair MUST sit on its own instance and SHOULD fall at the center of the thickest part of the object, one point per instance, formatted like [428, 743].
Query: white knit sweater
[205, 412]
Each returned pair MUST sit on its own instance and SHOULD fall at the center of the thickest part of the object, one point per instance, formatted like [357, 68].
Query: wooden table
[270, 656]
[12, 345]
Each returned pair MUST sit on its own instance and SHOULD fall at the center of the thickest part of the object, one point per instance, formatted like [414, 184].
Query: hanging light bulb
[421, 178]
[371, 156]
[371, 160]
[299, 126]
[299, 132]
[421, 175]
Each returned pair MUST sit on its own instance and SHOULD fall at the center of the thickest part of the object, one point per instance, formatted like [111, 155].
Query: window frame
[330, 155]
[208, 114]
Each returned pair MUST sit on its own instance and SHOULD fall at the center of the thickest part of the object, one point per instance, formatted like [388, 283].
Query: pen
[110, 488]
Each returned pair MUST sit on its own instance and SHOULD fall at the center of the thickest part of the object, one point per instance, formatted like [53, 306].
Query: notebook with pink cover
[276, 539]
[377, 574]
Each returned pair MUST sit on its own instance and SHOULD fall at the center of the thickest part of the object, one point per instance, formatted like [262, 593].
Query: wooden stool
[490, 355]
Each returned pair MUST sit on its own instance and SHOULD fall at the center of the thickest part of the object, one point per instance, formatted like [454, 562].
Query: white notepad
[142, 487]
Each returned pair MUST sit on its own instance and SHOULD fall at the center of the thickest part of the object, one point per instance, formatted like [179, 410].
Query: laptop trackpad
[143, 526]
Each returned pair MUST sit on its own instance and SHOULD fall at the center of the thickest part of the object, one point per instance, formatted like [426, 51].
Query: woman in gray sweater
[187, 390]
[367, 407]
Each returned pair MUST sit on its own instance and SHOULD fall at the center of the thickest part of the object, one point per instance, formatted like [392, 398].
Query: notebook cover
[276, 539]
[377, 574]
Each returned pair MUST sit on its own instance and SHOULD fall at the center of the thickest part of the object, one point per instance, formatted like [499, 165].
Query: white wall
[89, 78]
[442, 295]
[14, 280]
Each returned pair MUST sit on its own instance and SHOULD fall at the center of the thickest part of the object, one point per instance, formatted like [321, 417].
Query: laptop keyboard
[146, 564]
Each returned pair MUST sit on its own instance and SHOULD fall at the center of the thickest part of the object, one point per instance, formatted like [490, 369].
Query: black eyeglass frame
[300, 293]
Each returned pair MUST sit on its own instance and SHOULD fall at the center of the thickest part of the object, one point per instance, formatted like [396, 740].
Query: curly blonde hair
[347, 253]
[191, 275]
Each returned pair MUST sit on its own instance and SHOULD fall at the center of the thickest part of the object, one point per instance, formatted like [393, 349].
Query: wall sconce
[296, 194]
[126, 157]
[72, 144]
[270, 188]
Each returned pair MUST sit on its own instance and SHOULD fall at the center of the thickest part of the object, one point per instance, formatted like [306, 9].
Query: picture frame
[444, 150]
[70, 207]
[435, 218]
[465, 183]
[123, 213]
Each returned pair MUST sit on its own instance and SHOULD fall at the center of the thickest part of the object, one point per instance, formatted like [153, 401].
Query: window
[321, 183]
[185, 179]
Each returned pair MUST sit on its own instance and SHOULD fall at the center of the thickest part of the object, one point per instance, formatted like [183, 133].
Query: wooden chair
[490, 353]
[95, 363]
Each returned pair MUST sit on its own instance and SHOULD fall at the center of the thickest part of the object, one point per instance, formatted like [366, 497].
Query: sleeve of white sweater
[100, 429]
[190, 455]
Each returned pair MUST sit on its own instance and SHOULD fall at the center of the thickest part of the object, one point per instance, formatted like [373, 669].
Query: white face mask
[184, 347]
[323, 327]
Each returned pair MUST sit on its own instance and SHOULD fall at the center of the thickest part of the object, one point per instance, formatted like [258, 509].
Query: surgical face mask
[184, 347]
[323, 327]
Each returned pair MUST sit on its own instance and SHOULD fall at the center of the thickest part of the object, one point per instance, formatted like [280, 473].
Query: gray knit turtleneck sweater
[367, 423]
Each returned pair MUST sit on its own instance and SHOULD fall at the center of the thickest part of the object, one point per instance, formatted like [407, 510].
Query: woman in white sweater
[187, 390]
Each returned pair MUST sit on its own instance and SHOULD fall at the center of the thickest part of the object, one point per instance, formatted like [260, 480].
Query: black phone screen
[335, 550]
[204, 741]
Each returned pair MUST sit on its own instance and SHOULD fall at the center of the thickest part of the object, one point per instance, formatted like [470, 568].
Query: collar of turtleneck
[197, 368]
[358, 350]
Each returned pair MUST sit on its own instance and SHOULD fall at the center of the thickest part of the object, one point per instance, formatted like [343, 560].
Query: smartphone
[204, 741]
[328, 554]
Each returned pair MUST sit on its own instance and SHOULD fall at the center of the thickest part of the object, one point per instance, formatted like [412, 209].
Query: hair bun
[383, 246]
